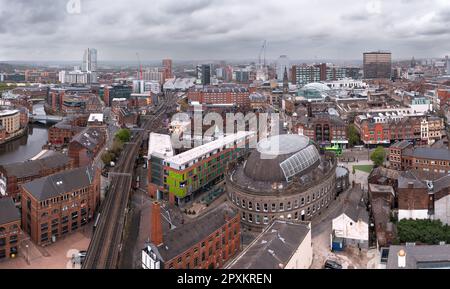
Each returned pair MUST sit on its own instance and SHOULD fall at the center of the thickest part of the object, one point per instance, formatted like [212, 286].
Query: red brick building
[404, 156]
[323, 128]
[226, 94]
[207, 242]
[59, 204]
[18, 173]
[10, 233]
[85, 146]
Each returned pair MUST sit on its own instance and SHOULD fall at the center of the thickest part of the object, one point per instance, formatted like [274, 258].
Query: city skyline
[202, 29]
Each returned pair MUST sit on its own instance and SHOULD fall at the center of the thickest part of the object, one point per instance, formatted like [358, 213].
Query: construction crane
[140, 66]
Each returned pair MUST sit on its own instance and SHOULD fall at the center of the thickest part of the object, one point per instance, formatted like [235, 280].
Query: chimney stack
[401, 258]
[156, 236]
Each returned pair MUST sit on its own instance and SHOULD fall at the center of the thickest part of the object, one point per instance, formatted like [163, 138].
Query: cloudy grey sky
[222, 29]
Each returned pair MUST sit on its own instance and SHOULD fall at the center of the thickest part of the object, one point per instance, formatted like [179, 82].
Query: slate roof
[8, 211]
[182, 238]
[401, 144]
[427, 256]
[355, 207]
[274, 247]
[60, 183]
[89, 138]
[34, 167]
[428, 153]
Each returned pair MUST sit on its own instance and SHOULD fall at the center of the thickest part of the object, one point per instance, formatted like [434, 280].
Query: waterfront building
[15, 174]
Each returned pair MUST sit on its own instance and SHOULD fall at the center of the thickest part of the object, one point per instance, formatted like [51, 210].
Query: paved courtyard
[55, 256]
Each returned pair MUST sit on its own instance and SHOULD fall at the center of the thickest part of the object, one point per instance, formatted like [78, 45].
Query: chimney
[401, 258]
[156, 236]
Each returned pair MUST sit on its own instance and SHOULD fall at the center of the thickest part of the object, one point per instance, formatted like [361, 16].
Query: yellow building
[10, 120]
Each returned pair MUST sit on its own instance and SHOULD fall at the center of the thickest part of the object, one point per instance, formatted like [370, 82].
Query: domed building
[285, 177]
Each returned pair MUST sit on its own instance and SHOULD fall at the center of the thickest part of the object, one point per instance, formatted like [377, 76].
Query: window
[258, 207]
[274, 208]
[266, 207]
[13, 239]
[250, 206]
[281, 207]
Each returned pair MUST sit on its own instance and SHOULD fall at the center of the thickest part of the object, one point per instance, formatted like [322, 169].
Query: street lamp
[28, 255]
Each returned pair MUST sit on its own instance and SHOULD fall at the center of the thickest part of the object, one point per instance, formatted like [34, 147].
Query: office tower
[204, 74]
[168, 72]
[282, 64]
[447, 60]
[377, 65]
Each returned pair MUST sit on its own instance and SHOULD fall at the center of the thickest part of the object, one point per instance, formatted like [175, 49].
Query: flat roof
[178, 161]
[274, 247]
[95, 117]
[420, 257]
[160, 145]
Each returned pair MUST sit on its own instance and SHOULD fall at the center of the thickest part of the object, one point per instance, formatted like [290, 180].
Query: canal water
[27, 146]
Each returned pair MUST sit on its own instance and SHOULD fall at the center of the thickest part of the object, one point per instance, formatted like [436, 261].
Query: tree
[117, 147]
[378, 156]
[107, 158]
[353, 136]
[124, 135]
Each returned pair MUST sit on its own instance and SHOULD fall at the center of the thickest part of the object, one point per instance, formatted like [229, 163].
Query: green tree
[378, 156]
[117, 147]
[124, 135]
[353, 136]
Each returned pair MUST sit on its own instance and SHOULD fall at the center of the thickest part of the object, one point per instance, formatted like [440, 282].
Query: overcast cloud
[222, 29]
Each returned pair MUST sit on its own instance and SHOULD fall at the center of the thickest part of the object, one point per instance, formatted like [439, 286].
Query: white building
[282, 245]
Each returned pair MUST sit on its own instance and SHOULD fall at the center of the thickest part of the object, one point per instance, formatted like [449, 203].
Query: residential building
[159, 148]
[56, 205]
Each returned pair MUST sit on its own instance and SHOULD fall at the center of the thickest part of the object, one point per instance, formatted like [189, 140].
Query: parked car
[79, 257]
[330, 264]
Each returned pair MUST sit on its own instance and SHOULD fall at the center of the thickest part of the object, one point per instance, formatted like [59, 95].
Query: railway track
[105, 246]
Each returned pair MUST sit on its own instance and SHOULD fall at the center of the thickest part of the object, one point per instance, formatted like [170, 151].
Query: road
[106, 244]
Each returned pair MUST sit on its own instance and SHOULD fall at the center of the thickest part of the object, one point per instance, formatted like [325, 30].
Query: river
[28, 146]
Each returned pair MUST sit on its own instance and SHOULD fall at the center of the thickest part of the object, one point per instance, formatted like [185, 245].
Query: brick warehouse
[57, 205]
[205, 243]
[226, 94]
[18, 173]
[9, 228]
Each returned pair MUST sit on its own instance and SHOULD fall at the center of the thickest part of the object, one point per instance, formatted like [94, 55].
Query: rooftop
[429, 153]
[183, 160]
[160, 146]
[34, 167]
[60, 183]
[274, 247]
[89, 138]
[421, 257]
[180, 239]
[9, 212]
[93, 117]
